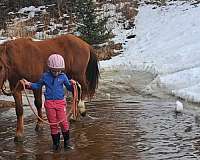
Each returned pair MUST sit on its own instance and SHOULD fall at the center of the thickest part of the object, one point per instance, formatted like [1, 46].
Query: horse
[25, 58]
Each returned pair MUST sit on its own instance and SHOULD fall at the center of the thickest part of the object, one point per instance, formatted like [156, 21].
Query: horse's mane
[2, 46]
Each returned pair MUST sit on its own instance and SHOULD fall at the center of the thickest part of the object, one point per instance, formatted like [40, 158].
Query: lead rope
[74, 108]
[75, 102]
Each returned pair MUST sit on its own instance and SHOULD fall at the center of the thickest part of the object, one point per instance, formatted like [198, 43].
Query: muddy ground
[123, 122]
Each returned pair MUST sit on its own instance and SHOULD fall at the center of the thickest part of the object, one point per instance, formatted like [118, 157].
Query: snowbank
[167, 44]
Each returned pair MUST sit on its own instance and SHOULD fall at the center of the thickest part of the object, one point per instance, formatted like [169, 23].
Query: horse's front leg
[20, 119]
[38, 104]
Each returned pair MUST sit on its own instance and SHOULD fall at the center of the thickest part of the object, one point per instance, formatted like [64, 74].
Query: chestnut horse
[24, 58]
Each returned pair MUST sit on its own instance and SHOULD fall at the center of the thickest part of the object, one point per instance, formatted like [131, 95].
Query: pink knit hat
[56, 61]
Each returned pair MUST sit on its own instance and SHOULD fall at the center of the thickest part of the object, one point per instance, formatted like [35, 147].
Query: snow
[32, 10]
[167, 44]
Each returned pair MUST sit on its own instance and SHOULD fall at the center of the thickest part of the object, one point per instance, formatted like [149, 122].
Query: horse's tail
[92, 73]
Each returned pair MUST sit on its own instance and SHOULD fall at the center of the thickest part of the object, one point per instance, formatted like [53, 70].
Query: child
[54, 104]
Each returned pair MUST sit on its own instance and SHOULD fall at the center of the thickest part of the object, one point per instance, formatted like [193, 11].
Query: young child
[53, 80]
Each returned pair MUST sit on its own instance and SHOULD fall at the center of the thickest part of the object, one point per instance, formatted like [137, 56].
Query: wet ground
[123, 123]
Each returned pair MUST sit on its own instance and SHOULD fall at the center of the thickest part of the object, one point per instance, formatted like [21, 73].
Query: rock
[178, 107]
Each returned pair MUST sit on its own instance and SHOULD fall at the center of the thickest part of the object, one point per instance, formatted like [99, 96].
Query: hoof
[18, 139]
[71, 119]
[39, 127]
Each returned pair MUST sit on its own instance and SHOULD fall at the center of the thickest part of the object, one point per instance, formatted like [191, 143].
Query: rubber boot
[56, 141]
[67, 145]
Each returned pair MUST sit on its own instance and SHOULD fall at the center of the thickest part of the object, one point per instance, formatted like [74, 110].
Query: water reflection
[125, 127]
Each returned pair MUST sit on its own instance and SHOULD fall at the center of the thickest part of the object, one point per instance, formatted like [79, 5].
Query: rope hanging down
[74, 108]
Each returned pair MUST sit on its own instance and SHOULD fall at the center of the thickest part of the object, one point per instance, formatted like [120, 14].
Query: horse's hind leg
[81, 103]
[38, 104]
[20, 119]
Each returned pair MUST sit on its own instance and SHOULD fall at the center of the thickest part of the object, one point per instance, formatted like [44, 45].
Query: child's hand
[27, 83]
[73, 81]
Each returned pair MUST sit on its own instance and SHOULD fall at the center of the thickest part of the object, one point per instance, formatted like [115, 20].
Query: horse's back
[68, 42]
[68, 46]
[71, 43]
[29, 57]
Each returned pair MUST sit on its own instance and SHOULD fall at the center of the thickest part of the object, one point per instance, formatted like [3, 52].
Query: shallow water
[123, 126]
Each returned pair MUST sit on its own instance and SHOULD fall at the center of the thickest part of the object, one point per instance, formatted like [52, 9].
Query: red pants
[55, 110]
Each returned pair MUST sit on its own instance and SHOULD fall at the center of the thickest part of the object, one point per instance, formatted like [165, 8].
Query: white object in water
[108, 95]
[81, 106]
[179, 106]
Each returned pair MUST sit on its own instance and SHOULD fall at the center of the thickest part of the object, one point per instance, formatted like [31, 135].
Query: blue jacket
[53, 85]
